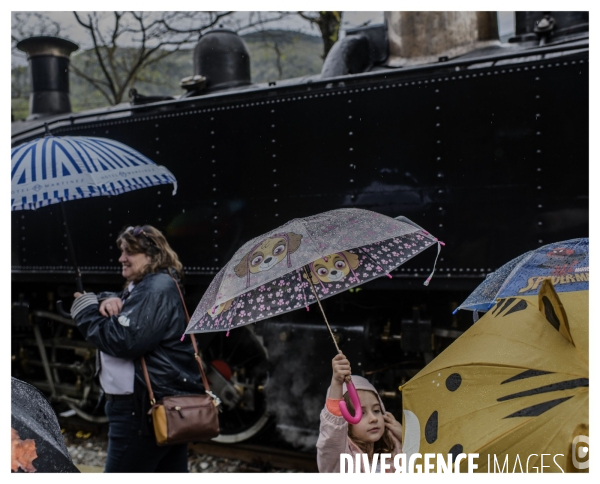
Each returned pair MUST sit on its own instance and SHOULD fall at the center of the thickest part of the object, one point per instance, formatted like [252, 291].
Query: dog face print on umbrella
[334, 267]
[268, 253]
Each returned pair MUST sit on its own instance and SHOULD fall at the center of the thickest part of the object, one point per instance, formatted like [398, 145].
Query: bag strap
[193, 338]
[147, 378]
[196, 354]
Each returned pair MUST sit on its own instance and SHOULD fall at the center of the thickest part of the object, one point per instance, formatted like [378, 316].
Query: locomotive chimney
[49, 73]
[422, 37]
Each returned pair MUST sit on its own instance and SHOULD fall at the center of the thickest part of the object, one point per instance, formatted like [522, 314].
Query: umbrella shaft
[78, 281]
[321, 308]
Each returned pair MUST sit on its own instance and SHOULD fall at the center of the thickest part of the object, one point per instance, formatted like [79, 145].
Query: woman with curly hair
[146, 319]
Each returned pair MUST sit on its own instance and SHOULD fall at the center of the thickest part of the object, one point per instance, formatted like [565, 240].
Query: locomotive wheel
[237, 371]
[236, 367]
[53, 357]
[79, 374]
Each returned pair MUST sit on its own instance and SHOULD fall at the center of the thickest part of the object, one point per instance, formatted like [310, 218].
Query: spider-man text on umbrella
[566, 263]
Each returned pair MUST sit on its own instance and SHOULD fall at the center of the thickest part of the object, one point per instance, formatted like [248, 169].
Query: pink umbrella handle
[355, 403]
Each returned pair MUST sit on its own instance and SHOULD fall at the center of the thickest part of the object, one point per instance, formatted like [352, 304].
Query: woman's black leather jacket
[150, 324]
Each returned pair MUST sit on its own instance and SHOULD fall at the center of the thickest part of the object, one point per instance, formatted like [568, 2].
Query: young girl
[377, 432]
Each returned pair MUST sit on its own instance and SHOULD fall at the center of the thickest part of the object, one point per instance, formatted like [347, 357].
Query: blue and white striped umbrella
[50, 169]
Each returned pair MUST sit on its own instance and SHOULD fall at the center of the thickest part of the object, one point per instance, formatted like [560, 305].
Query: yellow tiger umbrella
[513, 388]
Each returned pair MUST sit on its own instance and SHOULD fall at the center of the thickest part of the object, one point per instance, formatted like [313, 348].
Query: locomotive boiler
[482, 143]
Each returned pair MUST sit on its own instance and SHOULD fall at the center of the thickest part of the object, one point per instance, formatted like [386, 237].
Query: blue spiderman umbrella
[56, 169]
[566, 263]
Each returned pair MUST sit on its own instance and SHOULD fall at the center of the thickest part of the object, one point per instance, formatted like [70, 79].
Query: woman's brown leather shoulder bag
[184, 418]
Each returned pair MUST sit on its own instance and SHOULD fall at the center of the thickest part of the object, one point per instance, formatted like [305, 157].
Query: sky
[71, 30]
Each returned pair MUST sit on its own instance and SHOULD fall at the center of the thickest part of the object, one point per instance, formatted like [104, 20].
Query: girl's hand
[393, 425]
[341, 368]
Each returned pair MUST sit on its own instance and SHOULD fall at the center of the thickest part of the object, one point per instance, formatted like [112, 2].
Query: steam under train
[485, 146]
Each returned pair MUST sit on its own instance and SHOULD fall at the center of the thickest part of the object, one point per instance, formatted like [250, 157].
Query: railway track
[255, 457]
[260, 457]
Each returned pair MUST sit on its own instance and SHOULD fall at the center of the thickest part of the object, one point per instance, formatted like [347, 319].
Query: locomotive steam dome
[222, 57]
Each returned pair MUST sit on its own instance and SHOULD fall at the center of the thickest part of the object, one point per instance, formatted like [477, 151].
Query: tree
[122, 45]
[152, 34]
[329, 25]
[274, 41]
[253, 22]
[150, 37]
[24, 25]
[29, 24]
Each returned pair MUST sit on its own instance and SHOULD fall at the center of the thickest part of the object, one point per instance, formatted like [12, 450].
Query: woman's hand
[111, 307]
[393, 425]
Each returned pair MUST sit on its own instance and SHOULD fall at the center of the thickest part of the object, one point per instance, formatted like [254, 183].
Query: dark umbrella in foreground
[57, 169]
[304, 261]
[37, 444]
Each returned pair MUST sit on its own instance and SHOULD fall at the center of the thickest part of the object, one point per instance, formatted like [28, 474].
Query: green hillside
[274, 55]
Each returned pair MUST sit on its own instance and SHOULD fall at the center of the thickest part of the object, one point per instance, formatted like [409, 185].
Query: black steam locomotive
[487, 150]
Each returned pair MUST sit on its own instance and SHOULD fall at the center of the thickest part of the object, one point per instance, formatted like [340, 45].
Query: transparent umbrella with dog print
[304, 261]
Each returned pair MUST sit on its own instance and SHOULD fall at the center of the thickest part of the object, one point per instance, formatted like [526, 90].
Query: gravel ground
[89, 449]
[86, 448]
